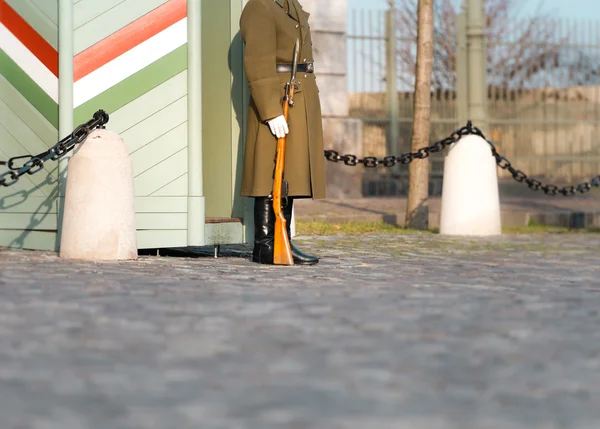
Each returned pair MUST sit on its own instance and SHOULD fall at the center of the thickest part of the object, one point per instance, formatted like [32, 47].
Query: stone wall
[328, 23]
[328, 27]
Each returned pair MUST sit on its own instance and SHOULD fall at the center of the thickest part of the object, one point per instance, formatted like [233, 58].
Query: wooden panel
[160, 149]
[153, 239]
[28, 88]
[31, 202]
[34, 240]
[165, 172]
[228, 233]
[161, 205]
[112, 20]
[177, 188]
[23, 198]
[49, 8]
[27, 113]
[48, 221]
[41, 221]
[85, 11]
[156, 125]
[14, 196]
[37, 19]
[216, 112]
[135, 86]
[155, 130]
[159, 221]
[34, 184]
[18, 202]
[148, 104]
[27, 140]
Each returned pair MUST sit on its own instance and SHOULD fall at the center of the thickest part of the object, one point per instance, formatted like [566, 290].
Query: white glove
[279, 127]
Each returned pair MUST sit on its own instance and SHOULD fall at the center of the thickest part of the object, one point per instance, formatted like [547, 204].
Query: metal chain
[536, 185]
[405, 158]
[35, 163]
[469, 129]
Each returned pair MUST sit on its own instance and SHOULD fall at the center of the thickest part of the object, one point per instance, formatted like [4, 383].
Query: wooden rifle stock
[282, 249]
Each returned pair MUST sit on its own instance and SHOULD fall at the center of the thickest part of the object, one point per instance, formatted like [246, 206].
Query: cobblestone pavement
[396, 331]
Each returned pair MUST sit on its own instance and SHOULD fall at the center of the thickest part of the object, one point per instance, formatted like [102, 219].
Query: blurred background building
[541, 86]
[329, 28]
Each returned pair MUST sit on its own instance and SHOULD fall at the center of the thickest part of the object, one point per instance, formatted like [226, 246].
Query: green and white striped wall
[28, 119]
[130, 58]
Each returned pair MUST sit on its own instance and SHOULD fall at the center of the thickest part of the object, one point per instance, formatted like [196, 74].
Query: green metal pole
[65, 67]
[65, 95]
[240, 96]
[477, 63]
[392, 80]
[462, 69]
[196, 201]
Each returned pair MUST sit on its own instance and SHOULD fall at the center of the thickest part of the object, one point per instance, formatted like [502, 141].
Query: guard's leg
[300, 258]
[264, 230]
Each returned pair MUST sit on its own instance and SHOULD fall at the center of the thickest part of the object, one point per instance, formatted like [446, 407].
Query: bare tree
[417, 212]
[520, 47]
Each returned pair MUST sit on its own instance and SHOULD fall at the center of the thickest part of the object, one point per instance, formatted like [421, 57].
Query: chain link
[439, 146]
[405, 158]
[35, 163]
[535, 184]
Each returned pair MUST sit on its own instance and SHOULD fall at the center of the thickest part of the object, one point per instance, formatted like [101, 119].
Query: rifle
[282, 252]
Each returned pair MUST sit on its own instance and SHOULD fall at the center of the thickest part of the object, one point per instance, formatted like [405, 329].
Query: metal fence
[543, 89]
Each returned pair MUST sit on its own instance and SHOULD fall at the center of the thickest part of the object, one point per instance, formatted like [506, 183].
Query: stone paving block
[413, 331]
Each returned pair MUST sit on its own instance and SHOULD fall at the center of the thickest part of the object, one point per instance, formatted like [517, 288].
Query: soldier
[270, 29]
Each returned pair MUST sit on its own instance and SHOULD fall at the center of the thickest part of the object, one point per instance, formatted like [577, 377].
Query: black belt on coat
[301, 68]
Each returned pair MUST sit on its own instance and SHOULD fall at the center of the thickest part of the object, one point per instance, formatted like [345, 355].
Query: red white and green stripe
[108, 74]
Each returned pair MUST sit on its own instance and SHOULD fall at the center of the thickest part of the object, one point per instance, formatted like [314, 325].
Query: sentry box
[170, 75]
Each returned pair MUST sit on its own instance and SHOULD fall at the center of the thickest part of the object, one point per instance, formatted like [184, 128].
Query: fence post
[392, 79]
[65, 97]
[462, 68]
[196, 200]
[477, 72]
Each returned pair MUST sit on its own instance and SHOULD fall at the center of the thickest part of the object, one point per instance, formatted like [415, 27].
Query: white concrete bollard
[99, 213]
[470, 198]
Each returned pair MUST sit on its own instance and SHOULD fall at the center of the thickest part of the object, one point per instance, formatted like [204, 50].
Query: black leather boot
[264, 230]
[300, 258]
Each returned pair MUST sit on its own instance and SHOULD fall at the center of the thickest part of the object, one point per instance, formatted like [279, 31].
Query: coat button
[297, 25]
[305, 76]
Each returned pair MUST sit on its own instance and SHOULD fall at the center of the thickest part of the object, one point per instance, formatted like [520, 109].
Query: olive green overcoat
[269, 29]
